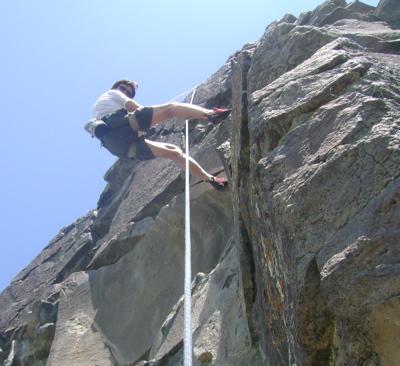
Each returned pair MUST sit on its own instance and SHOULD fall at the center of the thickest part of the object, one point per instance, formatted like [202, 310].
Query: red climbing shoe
[219, 183]
[218, 115]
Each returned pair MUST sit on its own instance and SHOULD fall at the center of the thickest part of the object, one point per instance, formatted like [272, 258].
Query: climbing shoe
[218, 183]
[218, 115]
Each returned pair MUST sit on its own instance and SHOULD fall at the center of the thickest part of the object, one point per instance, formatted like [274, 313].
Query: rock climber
[122, 125]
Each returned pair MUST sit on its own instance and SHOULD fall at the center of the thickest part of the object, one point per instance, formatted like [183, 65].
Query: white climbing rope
[184, 93]
[187, 351]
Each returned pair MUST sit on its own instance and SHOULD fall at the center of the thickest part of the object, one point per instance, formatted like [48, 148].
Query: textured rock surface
[389, 10]
[297, 264]
[84, 342]
[323, 203]
[30, 343]
[67, 251]
[132, 297]
[220, 330]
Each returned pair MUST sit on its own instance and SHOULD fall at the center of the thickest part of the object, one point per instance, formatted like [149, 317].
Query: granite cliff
[298, 263]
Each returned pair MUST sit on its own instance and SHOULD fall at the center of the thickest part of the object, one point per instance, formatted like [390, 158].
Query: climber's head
[128, 87]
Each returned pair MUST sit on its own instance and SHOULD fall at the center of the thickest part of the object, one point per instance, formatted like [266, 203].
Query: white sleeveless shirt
[109, 102]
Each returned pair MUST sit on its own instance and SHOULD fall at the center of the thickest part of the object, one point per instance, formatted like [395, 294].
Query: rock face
[389, 10]
[296, 264]
[320, 145]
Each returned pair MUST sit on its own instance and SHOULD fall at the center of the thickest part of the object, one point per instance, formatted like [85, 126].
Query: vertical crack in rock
[240, 178]
[247, 268]
[316, 325]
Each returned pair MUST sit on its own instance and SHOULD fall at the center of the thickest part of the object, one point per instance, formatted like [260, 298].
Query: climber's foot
[218, 115]
[218, 183]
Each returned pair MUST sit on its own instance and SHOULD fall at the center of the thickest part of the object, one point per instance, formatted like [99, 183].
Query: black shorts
[121, 137]
[144, 116]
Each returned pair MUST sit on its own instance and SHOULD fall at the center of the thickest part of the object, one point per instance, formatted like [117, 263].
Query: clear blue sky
[58, 56]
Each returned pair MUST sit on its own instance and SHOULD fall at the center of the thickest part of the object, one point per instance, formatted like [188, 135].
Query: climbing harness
[188, 265]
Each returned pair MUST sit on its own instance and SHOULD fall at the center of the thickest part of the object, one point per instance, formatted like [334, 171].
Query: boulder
[323, 10]
[338, 14]
[111, 251]
[77, 339]
[389, 10]
[355, 10]
[360, 7]
[283, 47]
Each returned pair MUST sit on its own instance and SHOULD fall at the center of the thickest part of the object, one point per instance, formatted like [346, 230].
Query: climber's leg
[178, 110]
[173, 152]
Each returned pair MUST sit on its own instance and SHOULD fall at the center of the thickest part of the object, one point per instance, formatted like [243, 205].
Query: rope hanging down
[188, 265]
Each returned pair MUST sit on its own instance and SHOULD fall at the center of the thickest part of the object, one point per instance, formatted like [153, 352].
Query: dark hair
[133, 84]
